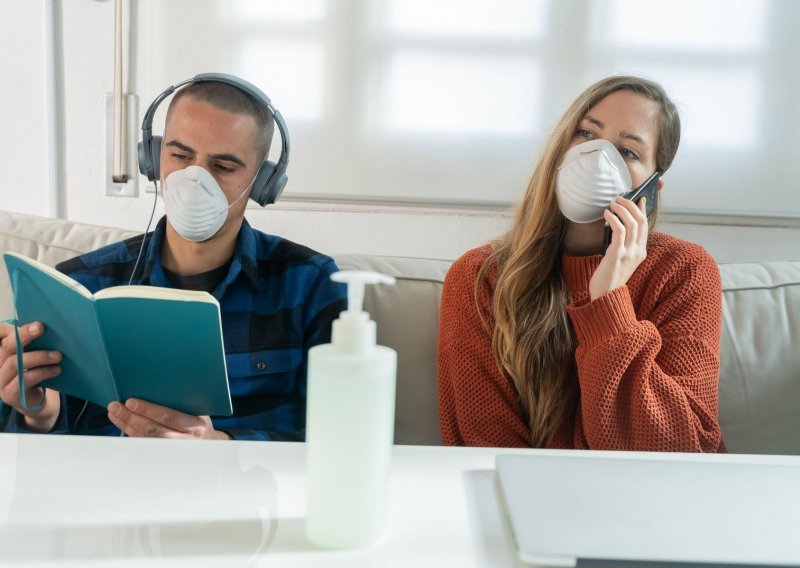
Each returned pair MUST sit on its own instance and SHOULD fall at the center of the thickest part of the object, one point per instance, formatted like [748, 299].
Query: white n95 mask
[195, 204]
[590, 177]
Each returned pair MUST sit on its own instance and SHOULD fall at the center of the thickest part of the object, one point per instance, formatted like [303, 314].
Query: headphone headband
[271, 177]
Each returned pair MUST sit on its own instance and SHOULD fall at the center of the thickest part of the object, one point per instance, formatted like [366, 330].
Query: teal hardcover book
[162, 345]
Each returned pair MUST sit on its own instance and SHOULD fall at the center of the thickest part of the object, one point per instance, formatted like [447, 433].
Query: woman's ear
[660, 184]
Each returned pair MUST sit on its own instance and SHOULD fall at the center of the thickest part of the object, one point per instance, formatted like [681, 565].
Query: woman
[547, 340]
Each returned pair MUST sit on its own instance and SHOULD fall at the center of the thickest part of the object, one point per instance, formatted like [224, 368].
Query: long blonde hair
[532, 338]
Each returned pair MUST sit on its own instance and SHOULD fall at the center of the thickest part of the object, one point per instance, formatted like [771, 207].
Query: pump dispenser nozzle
[354, 331]
[356, 280]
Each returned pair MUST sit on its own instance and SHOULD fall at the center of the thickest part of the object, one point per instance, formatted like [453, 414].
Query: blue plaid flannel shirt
[276, 302]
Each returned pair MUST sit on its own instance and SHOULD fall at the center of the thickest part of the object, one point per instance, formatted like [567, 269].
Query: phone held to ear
[648, 190]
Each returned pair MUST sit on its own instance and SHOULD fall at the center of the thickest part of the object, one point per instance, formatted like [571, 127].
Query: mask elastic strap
[20, 369]
[248, 186]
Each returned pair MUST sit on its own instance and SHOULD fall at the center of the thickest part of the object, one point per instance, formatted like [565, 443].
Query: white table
[81, 501]
[85, 501]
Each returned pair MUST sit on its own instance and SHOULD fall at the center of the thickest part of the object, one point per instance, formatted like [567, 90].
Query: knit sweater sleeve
[652, 384]
[478, 403]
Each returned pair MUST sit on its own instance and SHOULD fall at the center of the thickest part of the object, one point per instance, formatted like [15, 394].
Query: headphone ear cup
[277, 188]
[262, 183]
[142, 160]
[150, 166]
[155, 155]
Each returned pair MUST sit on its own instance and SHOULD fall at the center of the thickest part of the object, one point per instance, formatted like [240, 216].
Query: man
[276, 297]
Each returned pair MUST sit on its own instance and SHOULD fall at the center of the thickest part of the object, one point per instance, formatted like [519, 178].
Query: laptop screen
[652, 507]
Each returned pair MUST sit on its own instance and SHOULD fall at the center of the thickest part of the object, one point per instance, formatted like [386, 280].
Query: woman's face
[630, 122]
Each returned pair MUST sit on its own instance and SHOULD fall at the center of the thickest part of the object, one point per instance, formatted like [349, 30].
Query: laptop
[673, 508]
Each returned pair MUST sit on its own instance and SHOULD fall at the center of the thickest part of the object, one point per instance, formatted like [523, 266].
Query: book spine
[101, 335]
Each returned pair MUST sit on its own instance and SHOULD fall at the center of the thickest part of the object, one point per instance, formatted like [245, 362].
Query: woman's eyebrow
[622, 134]
[633, 137]
[594, 121]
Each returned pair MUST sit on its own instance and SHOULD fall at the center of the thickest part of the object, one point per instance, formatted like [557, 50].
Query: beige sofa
[759, 379]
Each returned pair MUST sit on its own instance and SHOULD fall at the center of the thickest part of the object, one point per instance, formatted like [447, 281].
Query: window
[449, 101]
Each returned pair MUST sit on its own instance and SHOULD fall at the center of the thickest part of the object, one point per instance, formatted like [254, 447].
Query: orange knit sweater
[647, 357]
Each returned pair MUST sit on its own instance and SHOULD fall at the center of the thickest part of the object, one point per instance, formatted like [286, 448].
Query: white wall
[23, 120]
[87, 49]
[88, 73]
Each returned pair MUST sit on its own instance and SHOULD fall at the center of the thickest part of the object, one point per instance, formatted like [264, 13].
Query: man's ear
[660, 184]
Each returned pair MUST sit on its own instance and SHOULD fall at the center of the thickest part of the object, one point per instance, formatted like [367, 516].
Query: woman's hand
[628, 246]
[39, 366]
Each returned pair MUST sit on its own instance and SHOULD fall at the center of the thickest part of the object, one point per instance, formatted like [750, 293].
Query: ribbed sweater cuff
[609, 315]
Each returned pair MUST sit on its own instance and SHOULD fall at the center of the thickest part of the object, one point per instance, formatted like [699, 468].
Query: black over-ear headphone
[271, 177]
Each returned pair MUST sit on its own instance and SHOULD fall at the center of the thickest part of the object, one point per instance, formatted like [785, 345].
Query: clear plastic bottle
[350, 426]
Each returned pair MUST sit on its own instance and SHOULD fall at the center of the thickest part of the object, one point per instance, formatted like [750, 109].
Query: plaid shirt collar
[244, 260]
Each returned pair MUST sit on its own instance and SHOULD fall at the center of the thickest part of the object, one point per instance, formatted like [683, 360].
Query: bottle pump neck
[354, 331]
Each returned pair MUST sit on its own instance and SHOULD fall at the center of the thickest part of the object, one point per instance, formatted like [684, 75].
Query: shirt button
[261, 366]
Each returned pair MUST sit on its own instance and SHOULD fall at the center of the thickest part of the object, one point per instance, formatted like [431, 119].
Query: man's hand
[138, 418]
[628, 246]
[38, 366]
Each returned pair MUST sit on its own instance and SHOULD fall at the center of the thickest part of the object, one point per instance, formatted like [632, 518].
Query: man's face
[222, 142]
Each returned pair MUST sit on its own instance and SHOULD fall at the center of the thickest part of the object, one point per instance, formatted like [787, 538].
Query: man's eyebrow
[224, 157]
[180, 146]
[228, 158]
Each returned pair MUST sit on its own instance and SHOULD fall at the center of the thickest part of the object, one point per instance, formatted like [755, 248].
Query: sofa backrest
[49, 241]
[760, 368]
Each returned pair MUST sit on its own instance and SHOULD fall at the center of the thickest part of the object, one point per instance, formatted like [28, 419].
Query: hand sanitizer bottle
[350, 426]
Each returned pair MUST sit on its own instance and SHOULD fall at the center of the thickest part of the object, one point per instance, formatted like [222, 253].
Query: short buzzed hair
[229, 98]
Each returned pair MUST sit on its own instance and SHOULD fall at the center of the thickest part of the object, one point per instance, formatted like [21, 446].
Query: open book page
[70, 326]
[169, 352]
[154, 293]
[52, 273]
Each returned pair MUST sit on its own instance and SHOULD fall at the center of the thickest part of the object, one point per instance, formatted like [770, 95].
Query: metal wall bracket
[130, 187]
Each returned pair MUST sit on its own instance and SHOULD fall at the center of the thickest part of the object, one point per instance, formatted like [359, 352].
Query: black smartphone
[648, 190]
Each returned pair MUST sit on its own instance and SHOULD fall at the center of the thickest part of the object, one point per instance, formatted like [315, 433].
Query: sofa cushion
[760, 374]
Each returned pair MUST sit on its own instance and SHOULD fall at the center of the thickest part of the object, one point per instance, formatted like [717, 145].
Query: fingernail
[114, 408]
[35, 328]
[53, 355]
[131, 404]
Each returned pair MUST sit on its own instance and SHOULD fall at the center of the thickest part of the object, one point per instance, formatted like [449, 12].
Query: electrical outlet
[130, 187]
